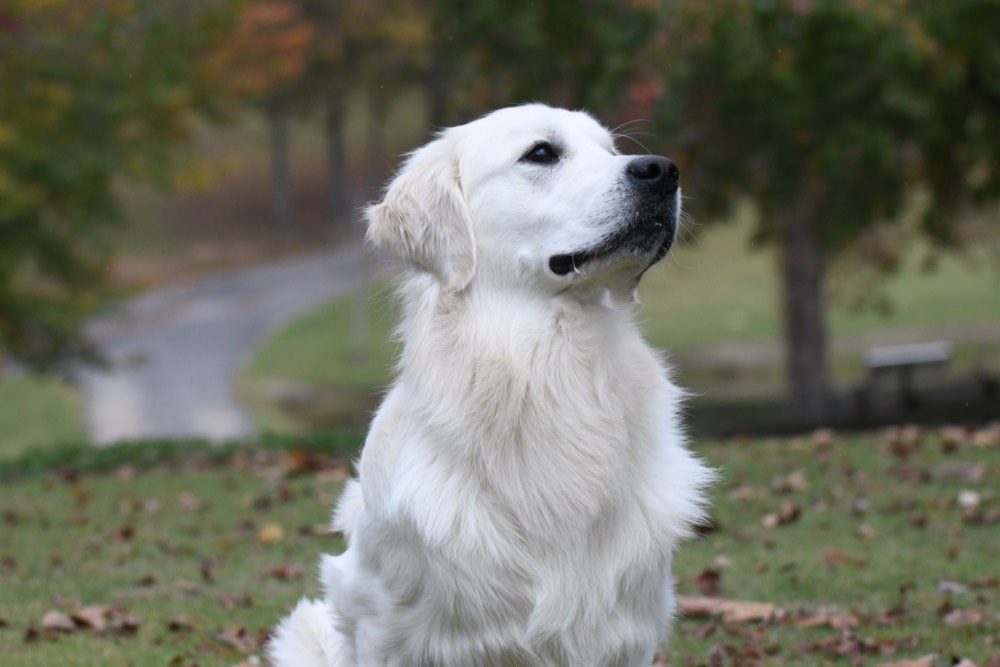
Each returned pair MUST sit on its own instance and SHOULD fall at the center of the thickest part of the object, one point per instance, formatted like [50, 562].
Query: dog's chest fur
[524, 485]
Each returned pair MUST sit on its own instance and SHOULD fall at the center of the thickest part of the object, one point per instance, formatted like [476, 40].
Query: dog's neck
[514, 383]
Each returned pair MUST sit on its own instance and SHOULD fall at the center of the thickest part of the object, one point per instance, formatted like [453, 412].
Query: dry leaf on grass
[94, 617]
[284, 572]
[788, 512]
[708, 581]
[831, 619]
[56, 621]
[731, 611]
[960, 618]
[270, 533]
[919, 662]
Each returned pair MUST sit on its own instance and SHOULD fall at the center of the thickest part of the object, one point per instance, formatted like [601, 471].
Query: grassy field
[710, 294]
[871, 548]
[37, 413]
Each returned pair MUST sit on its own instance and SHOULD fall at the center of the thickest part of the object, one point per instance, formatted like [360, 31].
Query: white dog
[524, 483]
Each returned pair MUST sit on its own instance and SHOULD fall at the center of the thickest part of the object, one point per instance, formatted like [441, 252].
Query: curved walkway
[175, 353]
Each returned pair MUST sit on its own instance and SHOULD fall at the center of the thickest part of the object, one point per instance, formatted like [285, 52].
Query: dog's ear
[423, 217]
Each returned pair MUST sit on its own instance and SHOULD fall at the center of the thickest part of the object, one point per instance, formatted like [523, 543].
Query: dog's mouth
[645, 235]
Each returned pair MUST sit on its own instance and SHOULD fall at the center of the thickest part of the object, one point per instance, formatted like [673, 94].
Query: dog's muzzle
[653, 181]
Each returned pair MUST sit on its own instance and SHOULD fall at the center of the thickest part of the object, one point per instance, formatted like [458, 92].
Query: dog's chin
[635, 247]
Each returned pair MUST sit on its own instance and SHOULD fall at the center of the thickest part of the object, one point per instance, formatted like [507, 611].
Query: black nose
[653, 170]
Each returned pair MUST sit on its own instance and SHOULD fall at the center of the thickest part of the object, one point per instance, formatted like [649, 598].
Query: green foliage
[90, 91]
[567, 53]
[857, 102]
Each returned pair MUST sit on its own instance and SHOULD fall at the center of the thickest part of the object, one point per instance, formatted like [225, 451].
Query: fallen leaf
[867, 532]
[56, 621]
[788, 512]
[969, 499]
[270, 533]
[180, 623]
[745, 493]
[830, 619]
[94, 617]
[284, 572]
[955, 587]
[230, 600]
[953, 437]
[987, 437]
[722, 561]
[919, 662]
[961, 618]
[124, 624]
[187, 586]
[794, 482]
[708, 581]
[251, 661]
[190, 502]
[731, 611]
[238, 637]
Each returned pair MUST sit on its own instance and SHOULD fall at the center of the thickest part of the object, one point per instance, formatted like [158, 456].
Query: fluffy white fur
[524, 483]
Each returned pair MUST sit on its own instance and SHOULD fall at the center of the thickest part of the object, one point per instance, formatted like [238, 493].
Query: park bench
[903, 362]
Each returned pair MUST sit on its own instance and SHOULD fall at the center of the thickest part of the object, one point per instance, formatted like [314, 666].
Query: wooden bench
[904, 361]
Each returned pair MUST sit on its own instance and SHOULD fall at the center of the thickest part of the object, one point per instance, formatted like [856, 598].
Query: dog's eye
[541, 153]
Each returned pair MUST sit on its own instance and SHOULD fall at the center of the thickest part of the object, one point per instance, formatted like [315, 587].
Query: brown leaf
[190, 502]
[795, 482]
[270, 533]
[867, 532]
[964, 617]
[180, 623]
[830, 619]
[919, 662]
[94, 617]
[230, 600]
[717, 656]
[207, 570]
[56, 621]
[788, 512]
[987, 437]
[284, 572]
[708, 582]
[187, 586]
[124, 624]
[745, 493]
[238, 637]
[731, 611]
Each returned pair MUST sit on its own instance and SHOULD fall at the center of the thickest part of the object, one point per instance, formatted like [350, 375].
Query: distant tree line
[829, 117]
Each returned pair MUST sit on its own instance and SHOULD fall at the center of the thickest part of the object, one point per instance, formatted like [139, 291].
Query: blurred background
[180, 251]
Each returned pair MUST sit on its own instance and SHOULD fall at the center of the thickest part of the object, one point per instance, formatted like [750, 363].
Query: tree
[90, 91]
[829, 115]
[565, 52]
[263, 60]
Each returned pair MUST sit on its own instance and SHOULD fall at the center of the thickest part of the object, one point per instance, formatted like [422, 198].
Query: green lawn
[196, 559]
[36, 413]
[707, 293]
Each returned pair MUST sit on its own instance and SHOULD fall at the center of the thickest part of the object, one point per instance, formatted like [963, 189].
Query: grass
[710, 293]
[206, 552]
[36, 412]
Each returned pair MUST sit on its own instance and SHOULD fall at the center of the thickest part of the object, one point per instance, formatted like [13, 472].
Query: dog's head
[529, 194]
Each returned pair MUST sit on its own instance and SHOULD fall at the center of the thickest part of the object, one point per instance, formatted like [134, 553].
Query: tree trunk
[336, 163]
[803, 285]
[281, 189]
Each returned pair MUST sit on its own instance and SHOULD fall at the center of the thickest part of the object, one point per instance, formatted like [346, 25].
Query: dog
[525, 481]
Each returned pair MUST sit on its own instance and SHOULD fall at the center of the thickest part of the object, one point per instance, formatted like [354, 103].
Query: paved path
[176, 352]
